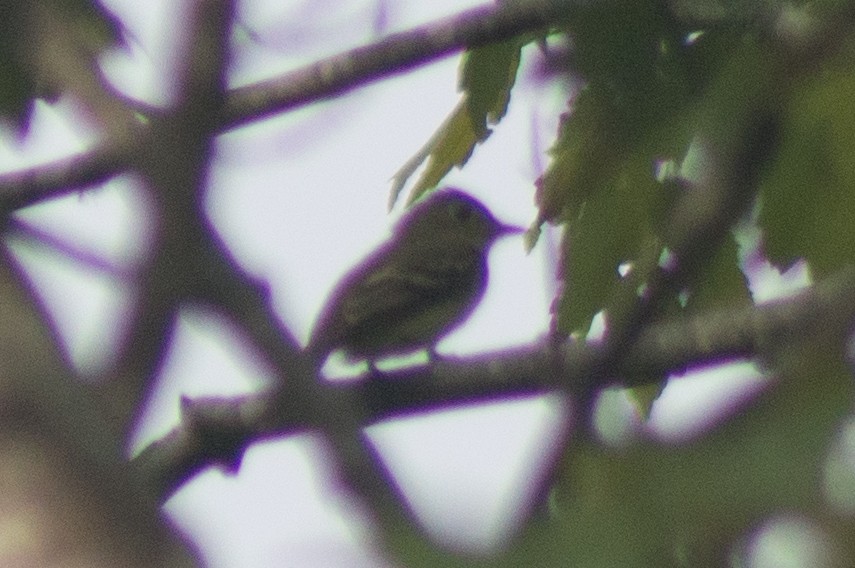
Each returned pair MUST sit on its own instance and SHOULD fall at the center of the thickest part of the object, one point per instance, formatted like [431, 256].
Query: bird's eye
[460, 212]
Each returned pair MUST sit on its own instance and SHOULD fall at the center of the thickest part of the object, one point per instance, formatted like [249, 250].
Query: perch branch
[216, 431]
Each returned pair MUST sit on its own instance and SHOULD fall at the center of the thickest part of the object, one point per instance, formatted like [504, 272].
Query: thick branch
[217, 431]
[174, 164]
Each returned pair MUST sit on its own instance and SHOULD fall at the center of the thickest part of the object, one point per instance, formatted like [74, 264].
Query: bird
[416, 287]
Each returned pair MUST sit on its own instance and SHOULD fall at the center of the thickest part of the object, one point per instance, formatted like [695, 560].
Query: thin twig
[28, 233]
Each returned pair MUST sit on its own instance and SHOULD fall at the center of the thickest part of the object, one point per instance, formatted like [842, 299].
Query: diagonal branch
[326, 78]
[394, 54]
[66, 175]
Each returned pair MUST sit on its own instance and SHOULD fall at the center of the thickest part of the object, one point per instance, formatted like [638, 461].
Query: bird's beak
[504, 230]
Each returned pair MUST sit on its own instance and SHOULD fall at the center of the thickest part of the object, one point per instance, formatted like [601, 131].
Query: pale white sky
[299, 199]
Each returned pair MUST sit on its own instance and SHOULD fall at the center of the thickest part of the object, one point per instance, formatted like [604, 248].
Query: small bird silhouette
[411, 291]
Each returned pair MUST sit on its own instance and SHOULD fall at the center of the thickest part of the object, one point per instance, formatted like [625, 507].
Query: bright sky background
[299, 199]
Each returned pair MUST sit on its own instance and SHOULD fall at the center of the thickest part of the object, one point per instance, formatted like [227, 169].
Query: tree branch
[216, 431]
[174, 163]
[66, 175]
[392, 55]
[326, 78]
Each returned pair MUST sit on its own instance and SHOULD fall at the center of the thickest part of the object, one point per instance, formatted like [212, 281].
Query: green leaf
[612, 228]
[720, 281]
[587, 153]
[808, 198]
[646, 504]
[487, 75]
[643, 396]
[613, 206]
[639, 73]
[450, 146]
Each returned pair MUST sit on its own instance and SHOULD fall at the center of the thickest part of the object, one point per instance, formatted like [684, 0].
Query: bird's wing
[383, 295]
[395, 291]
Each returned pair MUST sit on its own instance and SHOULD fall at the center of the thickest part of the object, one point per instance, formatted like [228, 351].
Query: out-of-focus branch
[326, 78]
[217, 431]
[61, 177]
[174, 163]
[190, 264]
[23, 231]
[395, 54]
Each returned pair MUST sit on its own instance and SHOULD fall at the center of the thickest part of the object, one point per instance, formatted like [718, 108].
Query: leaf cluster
[697, 124]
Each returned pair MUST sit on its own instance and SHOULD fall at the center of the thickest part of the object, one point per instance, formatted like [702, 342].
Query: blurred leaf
[643, 396]
[808, 199]
[720, 281]
[640, 506]
[487, 76]
[95, 27]
[17, 84]
[612, 228]
[637, 66]
[617, 211]
[711, 11]
[20, 84]
[585, 155]
[742, 90]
